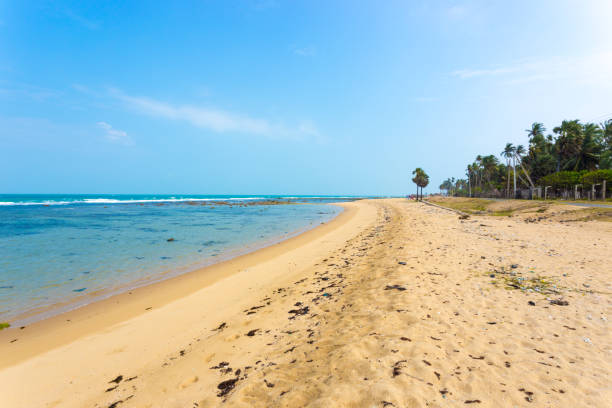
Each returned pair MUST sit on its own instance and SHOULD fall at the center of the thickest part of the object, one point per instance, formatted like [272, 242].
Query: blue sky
[285, 97]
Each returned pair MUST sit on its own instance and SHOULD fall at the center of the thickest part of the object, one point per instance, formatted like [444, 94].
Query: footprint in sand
[188, 382]
[232, 337]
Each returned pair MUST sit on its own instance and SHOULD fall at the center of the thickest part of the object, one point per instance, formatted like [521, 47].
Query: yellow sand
[459, 334]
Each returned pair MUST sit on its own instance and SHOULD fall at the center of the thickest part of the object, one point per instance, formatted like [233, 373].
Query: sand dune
[397, 305]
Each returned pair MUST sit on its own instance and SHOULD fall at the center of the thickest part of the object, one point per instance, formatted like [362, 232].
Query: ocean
[74, 249]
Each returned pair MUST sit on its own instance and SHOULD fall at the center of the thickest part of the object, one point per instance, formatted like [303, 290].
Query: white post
[576, 192]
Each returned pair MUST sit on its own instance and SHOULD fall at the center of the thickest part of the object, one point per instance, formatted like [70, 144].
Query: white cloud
[115, 135]
[215, 120]
[594, 68]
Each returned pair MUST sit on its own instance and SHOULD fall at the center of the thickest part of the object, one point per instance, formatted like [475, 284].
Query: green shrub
[597, 176]
[562, 179]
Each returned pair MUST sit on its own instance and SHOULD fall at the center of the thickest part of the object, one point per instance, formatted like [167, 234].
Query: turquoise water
[61, 248]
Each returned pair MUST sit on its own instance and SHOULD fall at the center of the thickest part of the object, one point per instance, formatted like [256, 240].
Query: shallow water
[70, 247]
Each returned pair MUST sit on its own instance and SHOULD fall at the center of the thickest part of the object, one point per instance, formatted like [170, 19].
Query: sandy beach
[392, 304]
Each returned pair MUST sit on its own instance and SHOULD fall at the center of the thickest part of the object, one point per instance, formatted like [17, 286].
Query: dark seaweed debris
[298, 312]
[398, 287]
[117, 380]
[221, 327]
[226, 386]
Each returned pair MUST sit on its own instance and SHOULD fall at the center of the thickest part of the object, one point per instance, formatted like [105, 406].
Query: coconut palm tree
[519, 152]
[478, 168]
[537, 129]
[540, 159]
[568, 143]
[445, 186]
[468, 173]
[590, 151]
[508, 153]
[605, 161]
[572, 146]
[489, 164]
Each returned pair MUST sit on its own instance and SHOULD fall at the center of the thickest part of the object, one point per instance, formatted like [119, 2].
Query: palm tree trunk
[526, 172]
[508, 179]
[514, 169]
[469, 185]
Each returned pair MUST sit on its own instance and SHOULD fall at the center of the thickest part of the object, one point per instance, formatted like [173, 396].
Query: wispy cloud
[457, 11]
[80, 88]
[308, 51]
[425, 99]
[85, 22]
[472, 73]
[215, 120]
[115, 135]
[591, 68]
[33, 92]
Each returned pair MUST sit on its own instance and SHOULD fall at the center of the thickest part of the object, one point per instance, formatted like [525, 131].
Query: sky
[285, 97]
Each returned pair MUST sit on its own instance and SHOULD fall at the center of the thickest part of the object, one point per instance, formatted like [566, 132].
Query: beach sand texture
[393, 304]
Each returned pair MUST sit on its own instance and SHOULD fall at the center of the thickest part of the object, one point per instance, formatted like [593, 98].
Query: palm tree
[590, 151]
[446, 185]
[568, 143]
[540, 159]
[489, 164]
[460, 186]
[421, 179]
[519, 151]
[478, 168]
[606, 130]
[572, 146]
[468, 173]
[537, 129]
[605, 161]
[417, 173]
[424, 181]
[508, 153]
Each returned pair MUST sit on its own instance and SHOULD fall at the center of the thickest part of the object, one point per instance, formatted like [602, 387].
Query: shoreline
[32, 316]
[65, 327]
[396, 304]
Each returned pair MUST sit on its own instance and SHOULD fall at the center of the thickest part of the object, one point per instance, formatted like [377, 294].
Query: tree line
[574, 153]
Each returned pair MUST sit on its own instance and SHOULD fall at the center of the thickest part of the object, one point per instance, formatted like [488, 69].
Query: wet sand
[393, 304]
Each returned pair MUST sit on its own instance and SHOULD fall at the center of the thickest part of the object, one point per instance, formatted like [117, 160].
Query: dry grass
[467, 205]
[530, 211]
